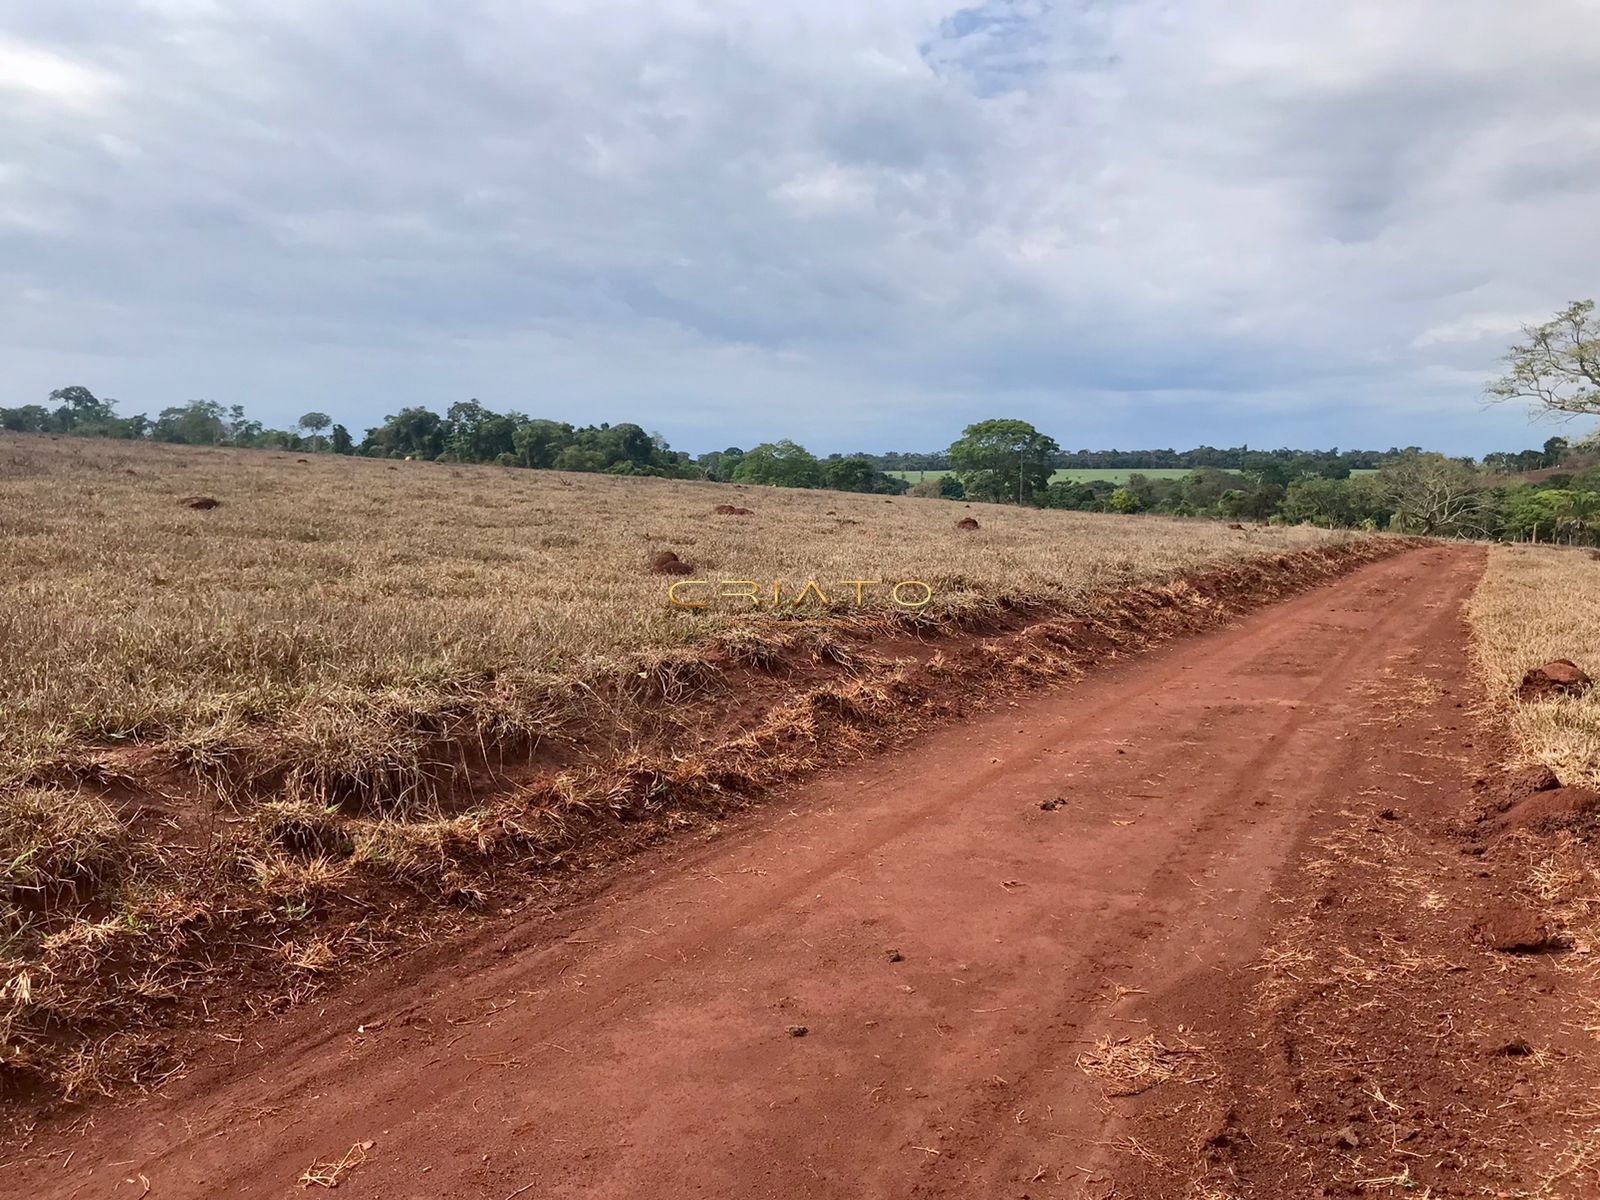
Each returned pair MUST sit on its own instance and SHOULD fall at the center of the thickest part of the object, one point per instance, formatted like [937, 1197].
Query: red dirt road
[638, 1044]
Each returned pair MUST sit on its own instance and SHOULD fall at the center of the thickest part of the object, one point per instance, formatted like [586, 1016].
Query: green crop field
[1092, 474]
[1072, 474]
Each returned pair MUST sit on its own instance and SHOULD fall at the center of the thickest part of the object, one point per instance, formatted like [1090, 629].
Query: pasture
[1070, 474]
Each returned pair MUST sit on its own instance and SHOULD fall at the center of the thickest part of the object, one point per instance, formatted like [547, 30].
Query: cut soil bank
[684, 744]
[1198, 926]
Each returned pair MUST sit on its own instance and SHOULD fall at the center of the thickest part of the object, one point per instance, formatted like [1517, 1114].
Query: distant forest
[468, 432]
[995, 461]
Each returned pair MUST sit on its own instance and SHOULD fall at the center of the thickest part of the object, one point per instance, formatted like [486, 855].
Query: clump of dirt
[733, 510]
[1554, 808]
[665, 562]
[966, 523]
[201, 502]
[1562, 677]
[1519, 785]
[1503, 793]
[1510, 929]
[1533, 798]
[1345, 1137]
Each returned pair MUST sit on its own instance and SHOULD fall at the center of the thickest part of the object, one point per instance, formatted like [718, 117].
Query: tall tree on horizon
[1004, 460]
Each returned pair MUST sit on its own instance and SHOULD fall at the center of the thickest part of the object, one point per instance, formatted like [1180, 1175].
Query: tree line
[1556, 366]
[1335, 462]
[1411, 490]
[467, 432]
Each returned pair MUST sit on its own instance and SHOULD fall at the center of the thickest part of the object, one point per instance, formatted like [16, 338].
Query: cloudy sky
[862, 225]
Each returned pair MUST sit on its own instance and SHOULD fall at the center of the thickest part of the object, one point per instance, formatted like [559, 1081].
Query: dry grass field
[1536, 604]
[239, 742]
[333, 601]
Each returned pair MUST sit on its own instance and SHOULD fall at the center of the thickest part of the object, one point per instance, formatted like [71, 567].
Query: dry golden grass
[248, 730]
[1535, 604]
[332, 599]
[1538, 603]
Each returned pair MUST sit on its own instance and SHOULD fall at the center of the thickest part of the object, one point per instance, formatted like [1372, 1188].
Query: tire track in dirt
[646, 1050]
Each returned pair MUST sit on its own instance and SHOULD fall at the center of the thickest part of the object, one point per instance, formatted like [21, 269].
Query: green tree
[719, 464]
[1070, 494]
[1200, 489]
[1576, 515]
[784, 463]
[1557, 364]
[1335, 503]
[242, 430]
[1123, 500]
[29, 418]
[1529, 513]
[536, 443]
[1004, 461]
[857, 473]
[312, 424]
[80, 409]
[341, 441]
[578, 458]
[851, 474]
[198, 423]
[478, 434]
[623, 444]
[415, 432]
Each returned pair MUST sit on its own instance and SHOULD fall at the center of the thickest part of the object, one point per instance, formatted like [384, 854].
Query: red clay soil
[1563, 677]
[964, 928]
[665, 562]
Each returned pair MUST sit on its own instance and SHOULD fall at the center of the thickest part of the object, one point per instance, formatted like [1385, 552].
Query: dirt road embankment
[1038, 954]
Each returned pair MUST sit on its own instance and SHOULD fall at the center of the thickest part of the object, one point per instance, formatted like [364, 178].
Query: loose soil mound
[665, 562]
[966, 523]
[733, 510]
[1503, 793]
[1530, 798]
[200, 502]
[1563, 677]
[1554, 808]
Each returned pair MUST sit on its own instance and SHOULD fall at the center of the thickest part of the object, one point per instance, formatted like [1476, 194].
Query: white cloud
[35, 74]
[1308, 221]
[1501, 328]
[828, 188]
